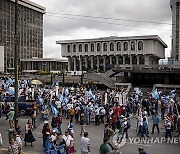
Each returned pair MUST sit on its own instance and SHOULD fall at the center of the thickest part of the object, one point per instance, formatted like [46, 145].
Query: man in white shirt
[67, 138]
[85, 144]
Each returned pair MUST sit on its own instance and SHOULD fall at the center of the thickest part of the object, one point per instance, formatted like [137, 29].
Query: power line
[107, 18]
[106, 22]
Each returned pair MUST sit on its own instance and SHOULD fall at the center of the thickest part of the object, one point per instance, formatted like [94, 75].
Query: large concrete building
[175, 8]
[1, 59]
[101, 54]
[30, 30]
[31, 65]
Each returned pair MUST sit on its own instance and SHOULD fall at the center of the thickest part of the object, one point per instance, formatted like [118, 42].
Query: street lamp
[16, 60]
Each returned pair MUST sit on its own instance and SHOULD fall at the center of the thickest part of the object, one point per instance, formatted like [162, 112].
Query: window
[98, 47]
[111, 46]
[134, 60]
[140, 45]
[105, 46]
[132, 45]
[120, 60]
[80, 48]
[118, 46]
[141, 60]
[92, 47]
[74, 48]
[125, 46]
[127, 60]
[86, 47]
[68, 48]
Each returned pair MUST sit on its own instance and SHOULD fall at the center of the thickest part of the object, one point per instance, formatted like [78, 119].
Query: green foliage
[89, 82]
[41, 72]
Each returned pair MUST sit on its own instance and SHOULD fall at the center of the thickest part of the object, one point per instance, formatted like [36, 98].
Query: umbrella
[36, 82]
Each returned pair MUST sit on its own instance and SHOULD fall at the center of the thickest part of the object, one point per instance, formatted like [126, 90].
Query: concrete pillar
[80, 63]
[116, 60]
[130, 60]
[86, 62]
[104, 63]
[91, 63]
[123, 60]
[74, 63]
[110, 58]
[69, 63]
[97, 63]
[137, 60]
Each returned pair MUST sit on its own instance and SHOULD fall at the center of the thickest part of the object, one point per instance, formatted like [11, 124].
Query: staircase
[102, 78]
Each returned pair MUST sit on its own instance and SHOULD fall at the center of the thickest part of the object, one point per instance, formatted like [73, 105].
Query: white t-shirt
[67, 139]
[85, 142]
[58, 103]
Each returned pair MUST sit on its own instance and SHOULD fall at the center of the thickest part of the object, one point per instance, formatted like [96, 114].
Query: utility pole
[16, 70]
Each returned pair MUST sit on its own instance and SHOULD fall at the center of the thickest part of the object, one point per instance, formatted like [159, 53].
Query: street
[95, 135]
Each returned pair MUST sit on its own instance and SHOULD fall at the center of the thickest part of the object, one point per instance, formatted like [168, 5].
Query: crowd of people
[84, 105]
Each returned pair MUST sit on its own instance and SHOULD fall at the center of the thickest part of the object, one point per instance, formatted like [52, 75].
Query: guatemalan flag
[155, 94]
[91, 95]
[54, 110]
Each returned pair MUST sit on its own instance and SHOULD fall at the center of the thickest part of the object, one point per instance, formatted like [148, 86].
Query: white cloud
[57, 28]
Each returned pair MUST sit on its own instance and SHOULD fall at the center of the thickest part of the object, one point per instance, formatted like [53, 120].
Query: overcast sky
[58, 26]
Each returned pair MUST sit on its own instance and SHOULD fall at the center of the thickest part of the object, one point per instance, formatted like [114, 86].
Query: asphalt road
[95, 135]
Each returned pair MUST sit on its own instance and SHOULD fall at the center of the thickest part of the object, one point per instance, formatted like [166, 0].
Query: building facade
[101, 54]
[1, 59]
[45, 64]
[30, 30]
[175, 8]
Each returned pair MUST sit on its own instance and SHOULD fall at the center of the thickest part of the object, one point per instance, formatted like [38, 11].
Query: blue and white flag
[66, 100]
[91, 95]
[54, 110]
[11, 90]
[155, 94]
[60, 97]
[4, 85]
[66, 91]
[10, 81]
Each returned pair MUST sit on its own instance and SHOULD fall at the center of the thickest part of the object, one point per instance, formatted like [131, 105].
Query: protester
[29, 138]
[104, 148]
[142, 151]
[155, 123]
[82, 124]
[13, 147]
[33, 116]
[11, 117]
[68, 139]
[45, 132]
[85, 144]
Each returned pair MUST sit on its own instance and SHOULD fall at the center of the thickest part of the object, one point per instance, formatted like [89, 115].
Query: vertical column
[97, 63]
[104, 63]
[137, 60]
[74, 63]
[86, 62]
[123, 60]
[80, 63]
[69, 63]
[110, 58]
[91, 62]
[130, 59]
[116, 60]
